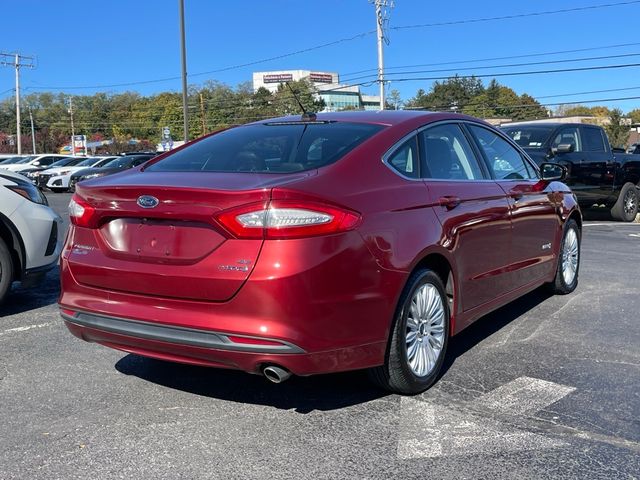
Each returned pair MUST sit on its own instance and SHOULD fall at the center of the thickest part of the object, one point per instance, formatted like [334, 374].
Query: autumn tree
[617, 130]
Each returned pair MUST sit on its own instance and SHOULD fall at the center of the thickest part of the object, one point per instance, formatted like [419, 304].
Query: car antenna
[306, 116]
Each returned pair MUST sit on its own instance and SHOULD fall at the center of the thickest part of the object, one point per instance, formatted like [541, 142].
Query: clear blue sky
[85, 43]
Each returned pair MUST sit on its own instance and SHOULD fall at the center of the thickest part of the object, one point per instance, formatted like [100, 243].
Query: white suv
[33, 161]
[30, 241]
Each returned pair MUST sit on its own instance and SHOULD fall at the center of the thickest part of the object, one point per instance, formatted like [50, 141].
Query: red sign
[277, 78]
[321, 77]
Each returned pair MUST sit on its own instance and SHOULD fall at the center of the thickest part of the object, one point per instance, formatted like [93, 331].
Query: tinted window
[593, 141]
[505, 161]
[448, 154]
[568, 136]
[405, 159]
[269, 148]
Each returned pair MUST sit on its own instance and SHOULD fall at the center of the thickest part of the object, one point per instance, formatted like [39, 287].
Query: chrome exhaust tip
[276, 374]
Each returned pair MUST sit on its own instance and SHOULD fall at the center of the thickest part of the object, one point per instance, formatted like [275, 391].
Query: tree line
[214, 105]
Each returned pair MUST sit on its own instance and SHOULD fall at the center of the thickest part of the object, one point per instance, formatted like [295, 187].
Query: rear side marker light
[67, 312]
[286, 219]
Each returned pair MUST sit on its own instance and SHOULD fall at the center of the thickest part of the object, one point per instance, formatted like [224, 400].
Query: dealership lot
[545, 387]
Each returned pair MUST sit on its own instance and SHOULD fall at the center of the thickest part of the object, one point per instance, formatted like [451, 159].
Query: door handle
[449, 202]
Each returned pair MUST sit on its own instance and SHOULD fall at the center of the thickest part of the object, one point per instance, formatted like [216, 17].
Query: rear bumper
[213, 349]
[324, 302]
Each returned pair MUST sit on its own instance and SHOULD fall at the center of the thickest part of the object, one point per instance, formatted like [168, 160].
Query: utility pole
[184, 73]
[33, 135]
[382, 18]
[73, 130]
[16, 60]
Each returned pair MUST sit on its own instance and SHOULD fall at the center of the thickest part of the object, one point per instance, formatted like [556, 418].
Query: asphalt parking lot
[546, 387]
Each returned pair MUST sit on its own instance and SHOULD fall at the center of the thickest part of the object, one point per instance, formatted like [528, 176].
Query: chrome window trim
[418, 130]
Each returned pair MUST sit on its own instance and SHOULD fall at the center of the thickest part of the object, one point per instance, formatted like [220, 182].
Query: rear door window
[278, 147]
[593, 141]
[448, 154]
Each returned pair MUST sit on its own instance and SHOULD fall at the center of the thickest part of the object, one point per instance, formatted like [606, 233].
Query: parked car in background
[9, 159]
[57, 178]
[33, 172]
[634, 149]
[596, 174]
[310, 245]
[34, 161]
[116, 165]
[30, 239]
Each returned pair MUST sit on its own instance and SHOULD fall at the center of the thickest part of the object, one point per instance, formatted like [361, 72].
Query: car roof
[543, 124]
[380, 117]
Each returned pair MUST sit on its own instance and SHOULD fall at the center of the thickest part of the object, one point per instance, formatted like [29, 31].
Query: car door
[473, 211]
[533, 206]
[598, 167]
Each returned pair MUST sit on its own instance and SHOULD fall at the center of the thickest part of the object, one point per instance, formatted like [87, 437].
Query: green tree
[617, 130]
[394, 100]
[285, 101]
[634, 115]
[450, 94]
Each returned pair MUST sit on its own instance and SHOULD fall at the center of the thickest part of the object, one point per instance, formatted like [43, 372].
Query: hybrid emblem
[147, 201]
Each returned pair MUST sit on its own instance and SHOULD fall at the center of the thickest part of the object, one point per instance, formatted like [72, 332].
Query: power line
[477, 60]
[512, 74]
[484, 67]
[343, 40]
[514, 16]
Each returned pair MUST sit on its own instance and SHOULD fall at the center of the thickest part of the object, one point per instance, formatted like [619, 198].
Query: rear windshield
[269, 148]
[533, 137]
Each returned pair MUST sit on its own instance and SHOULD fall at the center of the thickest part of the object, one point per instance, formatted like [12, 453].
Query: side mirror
[36, 164]
[563, 148]
[552, 172]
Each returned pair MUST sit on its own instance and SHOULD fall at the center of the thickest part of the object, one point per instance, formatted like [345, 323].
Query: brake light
[287, 219]
[80, 212]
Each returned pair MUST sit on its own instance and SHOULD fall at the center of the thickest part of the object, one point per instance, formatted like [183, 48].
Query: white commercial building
[335, 95]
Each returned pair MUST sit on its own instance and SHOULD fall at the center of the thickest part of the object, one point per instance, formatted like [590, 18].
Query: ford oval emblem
[147, 201]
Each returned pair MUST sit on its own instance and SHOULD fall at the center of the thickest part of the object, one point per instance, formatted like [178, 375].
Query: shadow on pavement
[306, 394]
[486, 326]
[23, 299]
[302, 394]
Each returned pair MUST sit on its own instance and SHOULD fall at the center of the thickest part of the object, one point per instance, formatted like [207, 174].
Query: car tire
[626, 208]
[420, 329]
[6, 270]
[58, 190]
[568, 266]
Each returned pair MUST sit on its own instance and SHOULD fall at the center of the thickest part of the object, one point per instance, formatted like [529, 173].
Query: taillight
[287, 219]
[80, 212]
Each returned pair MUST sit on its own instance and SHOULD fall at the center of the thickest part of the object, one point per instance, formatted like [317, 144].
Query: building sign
[277, 78]
[321, 77]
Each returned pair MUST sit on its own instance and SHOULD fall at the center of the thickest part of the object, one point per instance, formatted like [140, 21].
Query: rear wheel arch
[575, 215]
[444, 269]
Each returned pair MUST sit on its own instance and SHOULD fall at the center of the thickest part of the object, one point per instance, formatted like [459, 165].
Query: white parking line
[610, 224]
[523, 396]
[26, 328]
[430, 431]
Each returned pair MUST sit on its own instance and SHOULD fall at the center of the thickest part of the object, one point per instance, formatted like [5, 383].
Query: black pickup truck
[596, 174]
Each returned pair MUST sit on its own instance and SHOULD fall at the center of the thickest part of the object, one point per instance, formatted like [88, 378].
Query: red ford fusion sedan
[315, 244]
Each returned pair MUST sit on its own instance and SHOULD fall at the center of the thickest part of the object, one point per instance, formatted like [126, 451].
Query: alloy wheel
[630, 201]
[425, 330]
[570, 253]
